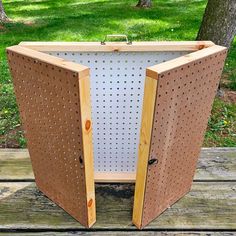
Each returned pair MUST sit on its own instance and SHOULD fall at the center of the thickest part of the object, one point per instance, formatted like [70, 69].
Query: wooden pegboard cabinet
[115, 112]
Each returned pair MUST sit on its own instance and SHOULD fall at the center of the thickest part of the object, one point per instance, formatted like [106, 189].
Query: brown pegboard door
[54, 102]
[177, 103]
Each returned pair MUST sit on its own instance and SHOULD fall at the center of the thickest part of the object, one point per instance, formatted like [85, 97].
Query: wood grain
[214, 164]
[144, 148]
[121, 233]
[118, 46]
[207, 206]
[86, 120]
[153, 71]
[81, 69]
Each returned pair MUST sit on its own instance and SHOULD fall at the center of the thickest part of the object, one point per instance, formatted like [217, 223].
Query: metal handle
[116, 36]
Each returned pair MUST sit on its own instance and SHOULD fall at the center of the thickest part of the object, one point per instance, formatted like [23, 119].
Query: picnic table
[209, 208]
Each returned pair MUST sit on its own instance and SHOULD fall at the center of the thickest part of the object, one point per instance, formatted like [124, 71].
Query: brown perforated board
[177, 104]
[51, 94]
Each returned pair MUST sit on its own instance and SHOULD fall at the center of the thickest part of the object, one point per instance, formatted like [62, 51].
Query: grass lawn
[91, 20]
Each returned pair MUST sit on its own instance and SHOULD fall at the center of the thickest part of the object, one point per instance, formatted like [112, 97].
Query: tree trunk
[3, 16]
[144, 3]
[219, 22]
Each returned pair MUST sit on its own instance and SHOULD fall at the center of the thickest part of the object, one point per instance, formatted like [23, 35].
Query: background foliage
[91, 20]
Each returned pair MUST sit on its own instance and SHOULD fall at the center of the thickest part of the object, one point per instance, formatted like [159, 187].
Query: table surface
[208, 209]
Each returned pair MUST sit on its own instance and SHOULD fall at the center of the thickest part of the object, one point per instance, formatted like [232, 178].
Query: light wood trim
[114, 177]
[153, 71]
[144, 148]
[82, 70]
[86, 120]
[116, 46]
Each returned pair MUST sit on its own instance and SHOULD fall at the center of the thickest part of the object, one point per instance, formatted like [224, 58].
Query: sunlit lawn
[91, 20]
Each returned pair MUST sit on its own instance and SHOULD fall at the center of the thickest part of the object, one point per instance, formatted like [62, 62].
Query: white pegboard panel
[117, 87]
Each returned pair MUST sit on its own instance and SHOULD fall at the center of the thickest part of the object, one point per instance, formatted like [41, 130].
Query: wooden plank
[144, 147]
[214, 164]
[114, 177]
[121, 233]
[153, 71]
[118, 46]
[208, 206]
[217, 164]
[15, 164]
[86, 120]
[80, 69]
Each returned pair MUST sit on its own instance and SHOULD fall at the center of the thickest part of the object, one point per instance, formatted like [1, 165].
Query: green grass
[230, 68]
[221, 129]
[91, 20]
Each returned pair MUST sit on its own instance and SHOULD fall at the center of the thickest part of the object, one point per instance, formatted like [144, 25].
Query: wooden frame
[144, 147]
[189, 46]
[116, 46]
